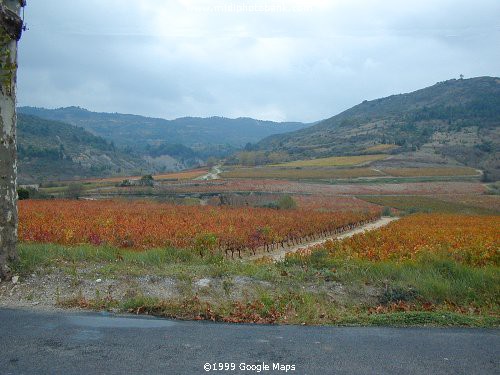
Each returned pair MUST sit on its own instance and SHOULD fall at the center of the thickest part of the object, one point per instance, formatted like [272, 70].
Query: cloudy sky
[299, 60]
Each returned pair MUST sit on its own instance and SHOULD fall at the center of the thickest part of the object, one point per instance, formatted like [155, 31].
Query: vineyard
[335, 161]
[145, 225]
[473, 204]
[294, 187]
[472, 240]
[298, 174]
[184, 175]
[425, 172]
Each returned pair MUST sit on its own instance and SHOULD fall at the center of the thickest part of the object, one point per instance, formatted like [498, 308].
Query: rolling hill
[51, 150]
[206, 135]
[453, 122]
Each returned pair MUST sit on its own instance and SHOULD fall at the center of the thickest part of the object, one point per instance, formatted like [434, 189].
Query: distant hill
[138, 132]
[456, 121]
[51, 150]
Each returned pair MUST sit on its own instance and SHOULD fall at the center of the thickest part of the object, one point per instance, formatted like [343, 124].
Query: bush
[125, 183]
[386, 211]
[23, 193]
[147, 180]
[74, 190]
[287, 203]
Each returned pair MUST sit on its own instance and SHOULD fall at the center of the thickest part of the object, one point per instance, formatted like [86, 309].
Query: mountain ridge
[458, 119]
[139, 131]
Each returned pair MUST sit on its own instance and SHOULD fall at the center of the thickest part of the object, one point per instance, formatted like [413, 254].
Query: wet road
[87, 343]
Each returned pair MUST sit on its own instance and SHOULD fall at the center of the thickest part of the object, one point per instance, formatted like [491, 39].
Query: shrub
[23, 193]
[74, 190]
[147, 180]
[386, 211]
[287, 203]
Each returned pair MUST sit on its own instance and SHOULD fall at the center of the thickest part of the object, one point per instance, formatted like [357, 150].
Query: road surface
[90, 343]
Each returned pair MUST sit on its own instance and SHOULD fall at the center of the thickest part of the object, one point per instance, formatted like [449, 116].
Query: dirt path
[280, 254]
[212, 175]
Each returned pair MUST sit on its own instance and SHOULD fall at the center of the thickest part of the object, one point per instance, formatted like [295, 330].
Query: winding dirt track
[278, 255]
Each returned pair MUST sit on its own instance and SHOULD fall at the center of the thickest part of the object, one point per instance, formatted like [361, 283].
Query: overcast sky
[297, 60]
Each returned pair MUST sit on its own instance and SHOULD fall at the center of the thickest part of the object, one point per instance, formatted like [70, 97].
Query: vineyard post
[11, 28]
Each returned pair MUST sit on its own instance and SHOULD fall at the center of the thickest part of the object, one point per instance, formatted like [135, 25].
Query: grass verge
[316, 290]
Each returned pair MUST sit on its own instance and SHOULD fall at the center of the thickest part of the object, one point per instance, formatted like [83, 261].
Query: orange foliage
[145, 225]
[472, 240]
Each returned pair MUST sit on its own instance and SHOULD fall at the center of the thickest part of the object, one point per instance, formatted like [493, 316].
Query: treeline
[174, 150]
[486, 106]
[34, 130]
[40, 152]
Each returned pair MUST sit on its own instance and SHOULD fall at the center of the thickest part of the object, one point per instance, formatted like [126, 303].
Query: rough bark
[10, 32]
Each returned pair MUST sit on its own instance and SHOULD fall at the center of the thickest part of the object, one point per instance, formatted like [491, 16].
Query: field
[424, 270]
[180, 261]
[299, 174]
[336, 161]
[489, 202]
[380, 148]
[445, 204]
[430, 172]
[296, 187]
[146, 225]
[185, 175]
[471, 240]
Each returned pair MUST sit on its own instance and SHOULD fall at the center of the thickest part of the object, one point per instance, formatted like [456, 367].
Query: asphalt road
[69, 343]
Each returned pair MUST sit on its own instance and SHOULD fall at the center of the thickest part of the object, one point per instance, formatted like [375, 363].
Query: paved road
[87, 343]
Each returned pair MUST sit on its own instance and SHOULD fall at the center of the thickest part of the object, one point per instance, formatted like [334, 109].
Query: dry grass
[185, 175]
[336, 161]
[298, 174]
[380, 148]
[431, 172]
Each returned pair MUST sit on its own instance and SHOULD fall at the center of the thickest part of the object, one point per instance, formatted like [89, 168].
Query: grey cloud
[158, 58]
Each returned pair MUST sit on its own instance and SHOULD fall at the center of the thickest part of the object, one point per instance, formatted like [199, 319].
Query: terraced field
[445, 204]
[430, 172]
[380, 148]
[184, 175]
[336, 161]
[299, 174]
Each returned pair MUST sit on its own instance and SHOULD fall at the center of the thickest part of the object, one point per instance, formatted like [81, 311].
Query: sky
[281, 60]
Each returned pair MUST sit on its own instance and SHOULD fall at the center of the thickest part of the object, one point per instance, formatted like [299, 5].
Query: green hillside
[51, 150]
[455, 122]
[214, 136]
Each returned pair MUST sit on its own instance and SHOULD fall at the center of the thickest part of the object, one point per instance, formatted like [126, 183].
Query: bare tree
[11, 28]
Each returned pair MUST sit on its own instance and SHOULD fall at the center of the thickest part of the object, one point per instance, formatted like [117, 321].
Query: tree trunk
[11, 27]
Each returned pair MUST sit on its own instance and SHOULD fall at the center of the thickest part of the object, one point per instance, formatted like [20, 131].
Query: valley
[271, 231]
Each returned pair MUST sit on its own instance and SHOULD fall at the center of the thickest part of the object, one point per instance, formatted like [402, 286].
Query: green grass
[422, 318]
[412, 204]
[431, 278]
[296, 291]
[114, 262]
